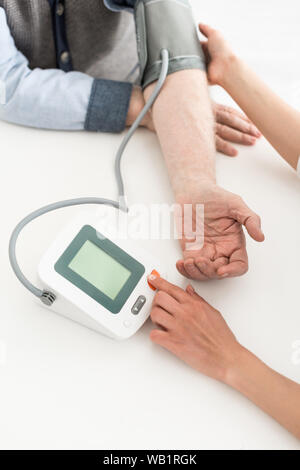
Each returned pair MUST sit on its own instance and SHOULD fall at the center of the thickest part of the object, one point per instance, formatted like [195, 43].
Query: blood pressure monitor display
[100, 268]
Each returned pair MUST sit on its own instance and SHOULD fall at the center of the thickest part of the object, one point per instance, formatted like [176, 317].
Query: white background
[63, 386]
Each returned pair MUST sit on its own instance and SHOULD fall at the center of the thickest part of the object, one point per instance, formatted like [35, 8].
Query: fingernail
[191, 288]
[224, 275]
[151, 277]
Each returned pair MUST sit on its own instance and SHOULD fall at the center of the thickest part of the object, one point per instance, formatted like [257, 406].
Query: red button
[154, 273]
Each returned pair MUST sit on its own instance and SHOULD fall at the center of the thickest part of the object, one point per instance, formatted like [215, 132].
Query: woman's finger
[236, 121]
[225, 147]
[166, 302]
[233, 135]
[205, 30]
[237, 112]
[163, 285]
[164, 339]
[205, 50]
[191, 291]
[161, 318]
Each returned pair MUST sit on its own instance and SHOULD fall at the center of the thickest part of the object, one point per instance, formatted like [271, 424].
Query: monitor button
[155, 273]
[138, 305]
[127, 323]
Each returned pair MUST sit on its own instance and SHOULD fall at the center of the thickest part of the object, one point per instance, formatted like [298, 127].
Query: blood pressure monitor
[98, 280]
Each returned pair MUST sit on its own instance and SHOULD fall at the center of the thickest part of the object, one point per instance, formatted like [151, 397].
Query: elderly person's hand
[223, 253]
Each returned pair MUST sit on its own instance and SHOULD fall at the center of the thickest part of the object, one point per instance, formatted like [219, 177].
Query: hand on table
[224, 251]
[192, 329]
[232, 126]
[195, 332]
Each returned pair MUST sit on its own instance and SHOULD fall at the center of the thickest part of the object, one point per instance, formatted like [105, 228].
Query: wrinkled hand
[192, 330]
[136, 105]
[232, 126]
[224, 251]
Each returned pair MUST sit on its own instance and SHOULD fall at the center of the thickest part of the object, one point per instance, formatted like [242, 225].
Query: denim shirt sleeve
[53, 99]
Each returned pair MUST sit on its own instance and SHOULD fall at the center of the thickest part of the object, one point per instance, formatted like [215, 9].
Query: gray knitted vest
[102, 43]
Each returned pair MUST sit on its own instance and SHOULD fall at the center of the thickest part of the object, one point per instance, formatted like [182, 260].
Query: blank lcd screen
[100, 269]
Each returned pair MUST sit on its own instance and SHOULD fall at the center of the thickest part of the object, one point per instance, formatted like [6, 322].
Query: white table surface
[63, 386]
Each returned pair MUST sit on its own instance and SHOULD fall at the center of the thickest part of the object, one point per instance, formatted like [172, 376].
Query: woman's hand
[232, 126]
[277, 121]
[218, 53]
[193, 330]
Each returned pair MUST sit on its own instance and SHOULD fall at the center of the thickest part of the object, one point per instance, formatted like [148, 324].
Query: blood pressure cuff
[166, 24]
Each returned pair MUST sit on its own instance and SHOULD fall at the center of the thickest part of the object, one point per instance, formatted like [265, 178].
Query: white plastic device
[73, 302]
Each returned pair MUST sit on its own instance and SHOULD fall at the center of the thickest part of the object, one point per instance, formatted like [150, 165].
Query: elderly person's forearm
[183, 119]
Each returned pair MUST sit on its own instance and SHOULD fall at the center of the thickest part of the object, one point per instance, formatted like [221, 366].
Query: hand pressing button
[155, 275]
